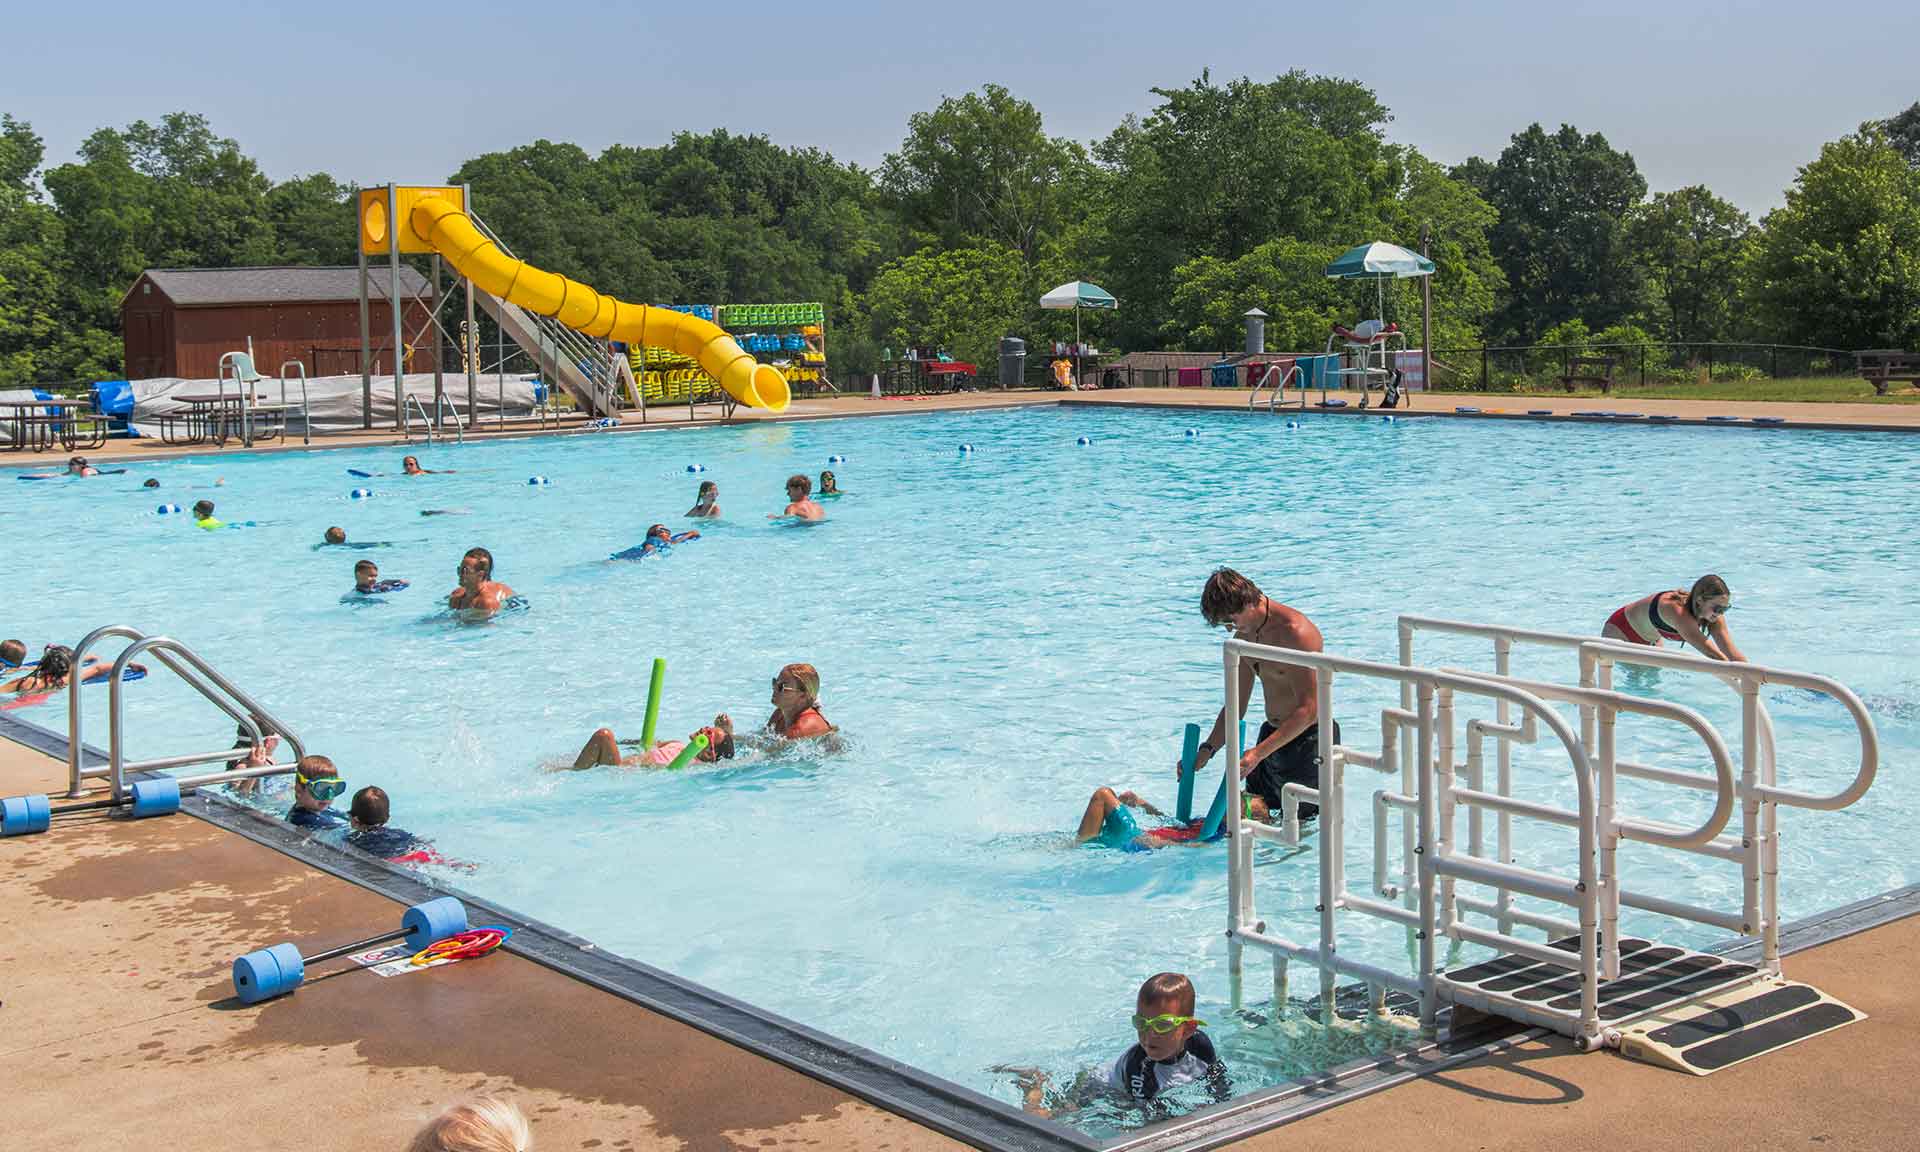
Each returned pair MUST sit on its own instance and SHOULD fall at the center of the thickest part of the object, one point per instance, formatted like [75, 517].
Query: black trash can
[1013, 361]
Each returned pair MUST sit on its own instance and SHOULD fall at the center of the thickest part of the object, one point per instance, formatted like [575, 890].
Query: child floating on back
[603, 747]
[659, 539]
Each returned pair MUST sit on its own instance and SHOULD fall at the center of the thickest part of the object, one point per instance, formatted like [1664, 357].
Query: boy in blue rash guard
[1169, 1052]
[659, 539]
[316, 782]
[1110, 823]
[367, 582]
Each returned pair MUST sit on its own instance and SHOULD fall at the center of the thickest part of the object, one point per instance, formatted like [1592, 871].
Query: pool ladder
[1276, 401]
[1688, 1010]
[249, 714]
[442, 407]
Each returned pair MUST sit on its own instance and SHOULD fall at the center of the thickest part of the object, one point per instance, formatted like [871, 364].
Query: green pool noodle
[694, 747]
[1189, 751]
[653, 701]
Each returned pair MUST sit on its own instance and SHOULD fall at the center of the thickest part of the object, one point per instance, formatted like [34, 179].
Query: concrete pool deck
[1875, 417]
[116, 1019]
[116, 1023]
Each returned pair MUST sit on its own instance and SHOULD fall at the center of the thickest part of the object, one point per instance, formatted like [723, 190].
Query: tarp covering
[335, 401]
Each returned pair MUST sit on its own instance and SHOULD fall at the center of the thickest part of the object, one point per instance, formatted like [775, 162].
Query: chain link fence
[1564, 367]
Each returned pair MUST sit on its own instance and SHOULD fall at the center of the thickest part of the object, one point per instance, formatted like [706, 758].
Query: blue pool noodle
[1189, 751]
[1217, 814]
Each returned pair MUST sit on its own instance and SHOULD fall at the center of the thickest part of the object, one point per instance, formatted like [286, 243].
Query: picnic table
[209, 416]
[1882, 367]
[34, 425]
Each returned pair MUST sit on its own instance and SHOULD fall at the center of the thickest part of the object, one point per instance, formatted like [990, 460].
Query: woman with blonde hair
[796, 704]
[488, 1124]
[1695, 616]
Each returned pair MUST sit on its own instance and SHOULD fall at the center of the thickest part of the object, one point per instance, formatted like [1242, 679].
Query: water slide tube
[453, 235]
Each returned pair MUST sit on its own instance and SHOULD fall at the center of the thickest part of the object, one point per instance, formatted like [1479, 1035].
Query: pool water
[998, 634]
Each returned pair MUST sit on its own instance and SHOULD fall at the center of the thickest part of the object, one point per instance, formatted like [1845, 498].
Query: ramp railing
[1756, 847]
[1434, 795]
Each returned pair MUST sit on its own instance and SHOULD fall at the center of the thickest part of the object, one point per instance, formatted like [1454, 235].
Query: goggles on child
[322, 787]
[1163, 1024]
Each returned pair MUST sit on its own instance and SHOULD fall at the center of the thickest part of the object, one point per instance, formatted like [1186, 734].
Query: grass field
[1819, 390]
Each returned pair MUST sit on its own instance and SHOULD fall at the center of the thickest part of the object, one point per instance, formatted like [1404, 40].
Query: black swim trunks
[1296, 762]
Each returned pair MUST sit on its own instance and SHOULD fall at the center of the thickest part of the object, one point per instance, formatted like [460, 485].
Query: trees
[1838, 265]
[982, 168]
[1217, 171]
[1903, 132]
[1563, 201]
[29, 253]
[961, 299]
[1690, 244]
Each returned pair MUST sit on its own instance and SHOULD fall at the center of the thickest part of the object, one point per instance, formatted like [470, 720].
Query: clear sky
[1735, 96]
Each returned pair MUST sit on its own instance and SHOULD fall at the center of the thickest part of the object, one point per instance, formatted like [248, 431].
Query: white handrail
[1434, 690]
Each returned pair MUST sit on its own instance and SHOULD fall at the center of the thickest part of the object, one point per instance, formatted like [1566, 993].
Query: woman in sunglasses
[316, 785]
[796, 704]
[1696, 616]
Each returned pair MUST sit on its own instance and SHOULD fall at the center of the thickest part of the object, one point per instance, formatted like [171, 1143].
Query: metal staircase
[1680, 1007]
[583, 366]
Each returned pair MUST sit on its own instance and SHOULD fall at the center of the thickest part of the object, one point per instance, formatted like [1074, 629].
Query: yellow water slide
[451, 232]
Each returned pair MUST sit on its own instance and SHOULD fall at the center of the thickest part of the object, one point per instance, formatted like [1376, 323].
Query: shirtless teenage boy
[1288, 748]
[478, 590]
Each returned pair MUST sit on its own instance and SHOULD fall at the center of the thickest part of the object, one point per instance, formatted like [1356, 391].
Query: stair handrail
[116, 729]
[245, 711]
[1434, 690]
[306, 415]
[407, 409]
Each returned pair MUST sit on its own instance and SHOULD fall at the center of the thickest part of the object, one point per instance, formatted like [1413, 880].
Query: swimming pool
[998, 633]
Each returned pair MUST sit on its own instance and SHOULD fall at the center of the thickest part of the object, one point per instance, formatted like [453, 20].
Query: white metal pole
[1503, 773]
[1236, 912]
[1423, 799]
[1333, 882]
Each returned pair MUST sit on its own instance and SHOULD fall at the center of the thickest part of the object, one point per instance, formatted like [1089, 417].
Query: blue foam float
[167, 510]
[361, 494]
[965, 448]
[1769, 419]
[1467, 411]
[20, 815]
[1386, 419]
[1084, 440]
[1723, 419]
[696, 467]
[836, 459]
[1658, 419]
[155, 796]
[1539, 411]
[1293, 423]
[279, 969]
[537, 481]
[1193, 433]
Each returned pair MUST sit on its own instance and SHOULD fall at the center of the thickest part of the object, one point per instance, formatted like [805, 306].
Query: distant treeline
[1225, 196]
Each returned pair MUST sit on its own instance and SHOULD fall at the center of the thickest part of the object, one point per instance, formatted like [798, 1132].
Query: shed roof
[203, 287]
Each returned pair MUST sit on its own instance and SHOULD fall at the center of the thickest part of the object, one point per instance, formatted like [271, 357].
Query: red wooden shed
[180, 321]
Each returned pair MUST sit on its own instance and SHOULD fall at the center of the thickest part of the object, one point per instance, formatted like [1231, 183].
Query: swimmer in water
[478, 590]
[13, 653]
[604, 748]
[828, 485]
[411, 467]
[1109, 821]
[1695, 616]
[203, 516]
[706, 503]
[56, 668]
[659, 539]
[150, 482]
[334, 535]
[367, 582]
[796, 704]
[800, 503]
[76, 466]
